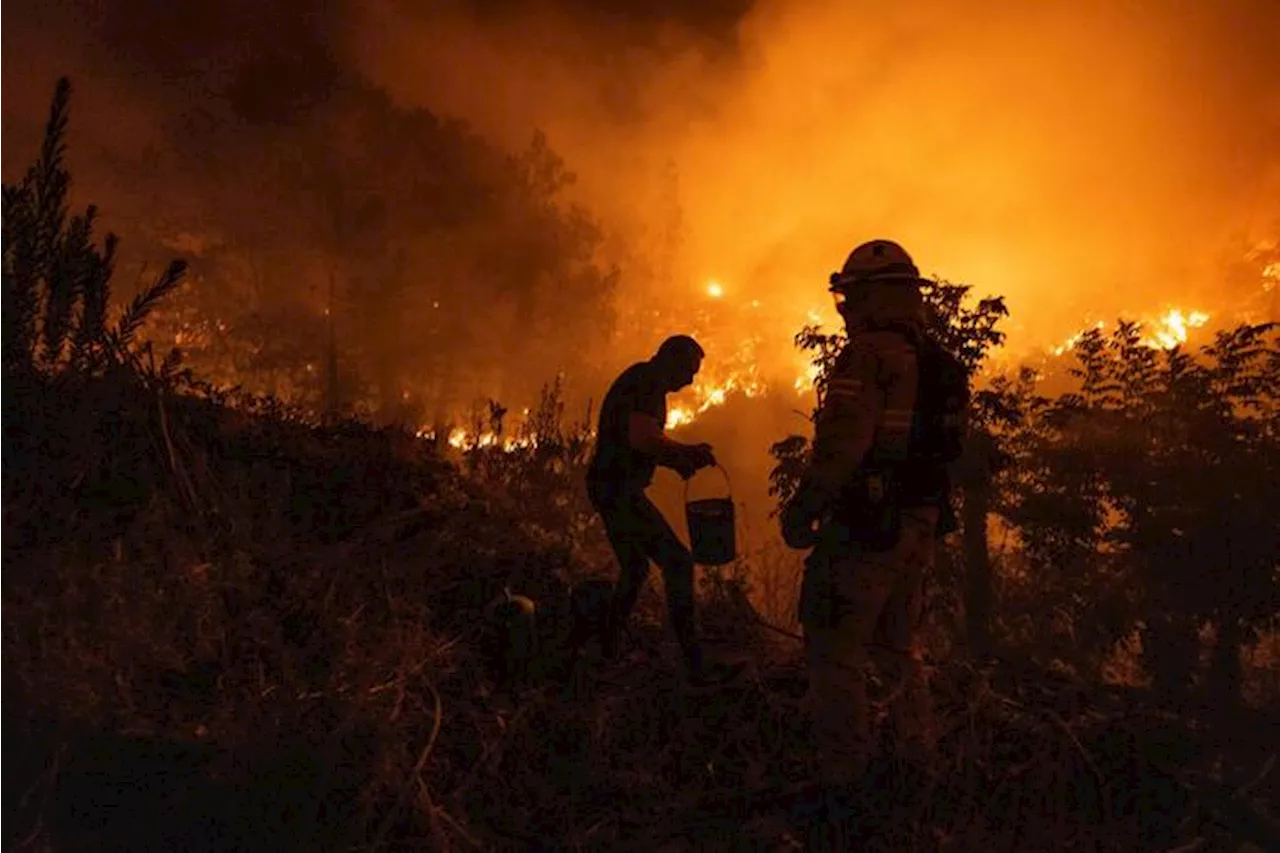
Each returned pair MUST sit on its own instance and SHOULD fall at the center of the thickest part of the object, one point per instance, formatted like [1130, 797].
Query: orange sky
[1082, 159]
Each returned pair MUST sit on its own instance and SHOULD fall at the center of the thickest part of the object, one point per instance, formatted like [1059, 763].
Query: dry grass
[283, 654]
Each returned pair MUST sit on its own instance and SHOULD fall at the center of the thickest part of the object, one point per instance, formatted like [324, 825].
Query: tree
[454, 266]
[1145, 497]
[56, 282]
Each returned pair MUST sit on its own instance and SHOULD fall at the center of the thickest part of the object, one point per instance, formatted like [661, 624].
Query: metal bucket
[712, 527]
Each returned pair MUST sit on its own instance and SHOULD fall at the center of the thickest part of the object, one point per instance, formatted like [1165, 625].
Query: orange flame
[708, 394]
[1166, 331]
[1270, 277]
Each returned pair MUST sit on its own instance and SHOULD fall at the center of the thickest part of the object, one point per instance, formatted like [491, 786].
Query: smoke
[151, 83]
[1081, 159]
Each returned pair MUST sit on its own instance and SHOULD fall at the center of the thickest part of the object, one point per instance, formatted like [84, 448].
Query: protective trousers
[853, 602]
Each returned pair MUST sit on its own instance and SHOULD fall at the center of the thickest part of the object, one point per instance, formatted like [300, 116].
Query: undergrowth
[269, 638]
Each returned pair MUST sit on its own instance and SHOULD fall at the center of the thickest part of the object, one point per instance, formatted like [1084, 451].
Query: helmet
[875, 261]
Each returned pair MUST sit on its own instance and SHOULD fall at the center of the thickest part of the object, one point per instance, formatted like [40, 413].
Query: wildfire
[678, 416]
[740, 371]
[1070, 343]
[460, 439]
[736, 369]
[805, 381]
[1165, 332]
[706, 395]
[1173, 326]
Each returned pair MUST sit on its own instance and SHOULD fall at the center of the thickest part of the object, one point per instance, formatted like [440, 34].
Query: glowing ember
[715, 289]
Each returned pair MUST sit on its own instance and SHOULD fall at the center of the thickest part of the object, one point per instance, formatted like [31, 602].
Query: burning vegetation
[248, 550]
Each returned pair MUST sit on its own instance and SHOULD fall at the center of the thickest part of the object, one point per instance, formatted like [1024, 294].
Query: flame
[678, 416]
[461, 439]
[738, 344]
[706, 395]
[807, 380]
[1270, 277]
[746, 355]
[1070, 343]
[1171, 330]
[1167, 331]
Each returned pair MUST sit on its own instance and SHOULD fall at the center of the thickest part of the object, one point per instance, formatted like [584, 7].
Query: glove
[797, 525]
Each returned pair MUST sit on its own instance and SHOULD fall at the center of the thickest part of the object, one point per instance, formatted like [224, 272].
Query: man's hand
[684, 466]
[692, 458]
[701, 456]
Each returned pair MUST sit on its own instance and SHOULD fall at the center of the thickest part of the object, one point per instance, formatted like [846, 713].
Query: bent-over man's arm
[645, 434]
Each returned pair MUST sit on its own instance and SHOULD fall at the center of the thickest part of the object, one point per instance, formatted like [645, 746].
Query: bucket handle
[727, 482]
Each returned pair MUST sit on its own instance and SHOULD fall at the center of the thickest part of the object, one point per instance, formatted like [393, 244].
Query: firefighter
[630, 445]
[868, 505]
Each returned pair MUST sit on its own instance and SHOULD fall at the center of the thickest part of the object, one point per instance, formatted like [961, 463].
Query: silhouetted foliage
[57, 284]
[1145, 499]
[442, 264]
[540, 466]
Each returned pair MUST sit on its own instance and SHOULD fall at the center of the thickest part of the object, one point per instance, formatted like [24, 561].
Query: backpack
[942, 405]
[868, 510]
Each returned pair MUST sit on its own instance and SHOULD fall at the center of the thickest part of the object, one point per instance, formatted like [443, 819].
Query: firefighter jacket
[866, 414]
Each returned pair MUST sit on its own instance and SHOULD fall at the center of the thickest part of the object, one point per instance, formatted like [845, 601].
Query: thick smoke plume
[1082, 159]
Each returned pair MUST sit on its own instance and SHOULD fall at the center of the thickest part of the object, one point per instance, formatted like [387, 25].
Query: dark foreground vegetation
[227, 626]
